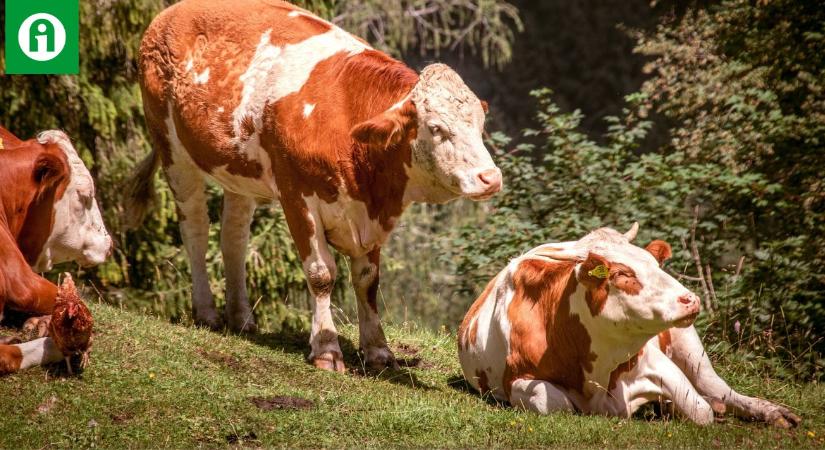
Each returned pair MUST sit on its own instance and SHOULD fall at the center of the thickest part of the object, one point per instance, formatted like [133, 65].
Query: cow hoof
[209, 320]
[378, 358]
[37, 327]
[331, 361]
[782, 418]
[242, 325]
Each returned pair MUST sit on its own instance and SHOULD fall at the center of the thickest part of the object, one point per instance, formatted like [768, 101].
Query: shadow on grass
[460, 384]
[296, 341]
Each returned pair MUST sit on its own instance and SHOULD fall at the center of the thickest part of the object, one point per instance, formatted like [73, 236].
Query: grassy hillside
[154, 384]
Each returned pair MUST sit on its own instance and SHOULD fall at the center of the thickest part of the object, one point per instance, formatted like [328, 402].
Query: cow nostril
[490, 177]
[686, 299]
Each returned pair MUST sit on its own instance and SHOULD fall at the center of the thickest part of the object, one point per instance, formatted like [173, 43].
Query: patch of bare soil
[411, 359]
[120, 418]
[242, 439]
[283, 402]
[220, 358]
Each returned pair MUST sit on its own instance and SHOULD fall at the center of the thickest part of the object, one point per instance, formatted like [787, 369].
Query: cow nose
[690, 299]
[491, 178]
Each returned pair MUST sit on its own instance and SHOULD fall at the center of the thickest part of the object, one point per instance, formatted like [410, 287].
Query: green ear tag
[599, 271]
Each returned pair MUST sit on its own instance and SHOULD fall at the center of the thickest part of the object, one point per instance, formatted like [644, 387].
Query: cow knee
[321, 278]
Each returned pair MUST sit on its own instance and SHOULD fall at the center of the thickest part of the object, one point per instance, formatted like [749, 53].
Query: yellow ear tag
[1, 143]
[599, 271]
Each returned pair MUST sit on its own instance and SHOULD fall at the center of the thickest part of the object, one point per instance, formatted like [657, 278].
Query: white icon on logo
[41, 37]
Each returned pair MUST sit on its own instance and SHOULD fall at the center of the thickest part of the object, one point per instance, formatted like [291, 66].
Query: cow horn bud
[631, 233]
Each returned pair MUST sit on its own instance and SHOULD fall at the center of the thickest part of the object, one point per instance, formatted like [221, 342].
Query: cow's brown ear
[660, 250]
[7, 139]
[594, 273]
[388, 128]
[49, 170]
[485, 107]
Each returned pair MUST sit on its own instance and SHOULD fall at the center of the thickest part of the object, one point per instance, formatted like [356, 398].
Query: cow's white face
[78, 233]
[626, 285]
[643, 296]
[449, 147]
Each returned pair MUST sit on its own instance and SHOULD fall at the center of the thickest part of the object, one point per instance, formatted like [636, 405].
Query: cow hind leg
[689, 354]
[189, 188]
[539, 396]
[365, 276]
[237, 217]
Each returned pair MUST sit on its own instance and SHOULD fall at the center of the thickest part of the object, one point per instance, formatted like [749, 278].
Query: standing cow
[596, 326]
[272, 102]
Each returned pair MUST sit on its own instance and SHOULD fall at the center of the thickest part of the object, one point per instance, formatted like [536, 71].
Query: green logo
[42, 36]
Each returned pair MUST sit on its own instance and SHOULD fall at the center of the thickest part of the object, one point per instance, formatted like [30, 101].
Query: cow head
[625, 284]
[78, 233]
[445, 121]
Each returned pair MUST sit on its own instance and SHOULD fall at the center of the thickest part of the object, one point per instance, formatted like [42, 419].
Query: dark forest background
[704, 121]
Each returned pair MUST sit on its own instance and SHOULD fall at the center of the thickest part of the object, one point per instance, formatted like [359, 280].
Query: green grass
[154, 384]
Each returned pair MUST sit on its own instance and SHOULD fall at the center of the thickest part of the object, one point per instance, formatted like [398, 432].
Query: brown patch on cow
[597, 288]
[35, 175]
[281, 402]
[660, 250]
[485, 106]
[10, 359]
[464, 338]
[220, 358]
[624, 367]
[483, 382]
[665, 340]
[624, 279]
[547, 342]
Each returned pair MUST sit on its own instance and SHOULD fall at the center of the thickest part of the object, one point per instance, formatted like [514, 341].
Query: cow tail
[140, 190]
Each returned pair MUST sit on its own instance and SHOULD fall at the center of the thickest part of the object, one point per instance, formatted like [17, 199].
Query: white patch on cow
[78, 233]
[189, 64]
[348, 226]
[220, 109]
[202, 78]
[39, 352]
[277, 71]
[293, 14]
[308, 107]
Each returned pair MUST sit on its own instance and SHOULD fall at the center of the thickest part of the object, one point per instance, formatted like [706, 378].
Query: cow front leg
[689, 354]
[188, 187]
[365, 277]
[237, 217]
[320, 271]
[539, 396]
[658, 375]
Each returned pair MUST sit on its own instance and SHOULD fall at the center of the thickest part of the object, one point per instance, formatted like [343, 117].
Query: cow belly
[263, 188]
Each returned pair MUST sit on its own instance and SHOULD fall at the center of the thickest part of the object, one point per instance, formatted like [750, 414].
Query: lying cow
[48, 215]
[596, 326]
[273, 102]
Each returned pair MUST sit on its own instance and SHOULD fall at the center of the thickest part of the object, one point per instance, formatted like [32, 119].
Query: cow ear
[660, 250]
[49, 170]
[593, 274]
[388, 128]
[485, 107]
[594, 271]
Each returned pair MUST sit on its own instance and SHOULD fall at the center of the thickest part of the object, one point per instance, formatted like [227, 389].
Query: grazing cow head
[446, 121]
[78, 233]
[625, 284]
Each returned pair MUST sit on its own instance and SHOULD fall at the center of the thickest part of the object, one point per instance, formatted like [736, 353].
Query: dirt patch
[121, 418]
[411, 360]
[247, 438]
[220, 358]
[281, 402]
[47, 405]
[407, 350]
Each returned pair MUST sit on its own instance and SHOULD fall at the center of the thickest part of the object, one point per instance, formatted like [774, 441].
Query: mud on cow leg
[365, 278]
[188, 187]
[237, 217]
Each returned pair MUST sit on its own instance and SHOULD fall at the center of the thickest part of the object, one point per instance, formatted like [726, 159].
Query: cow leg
[320, 271]
[365, 275]
[188, 186]
[689, 354]
[237, 217]
[658, 375]
[539, 396]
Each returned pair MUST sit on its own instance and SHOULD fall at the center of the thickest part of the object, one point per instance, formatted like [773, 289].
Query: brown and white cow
[48, 215]
[272, 102]
[596, 326]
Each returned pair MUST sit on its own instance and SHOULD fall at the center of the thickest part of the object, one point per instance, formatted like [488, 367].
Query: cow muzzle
[689, 306]
[487, 183]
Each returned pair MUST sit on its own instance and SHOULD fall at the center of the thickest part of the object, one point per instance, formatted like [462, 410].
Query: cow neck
[613, 346]
[377, 175]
